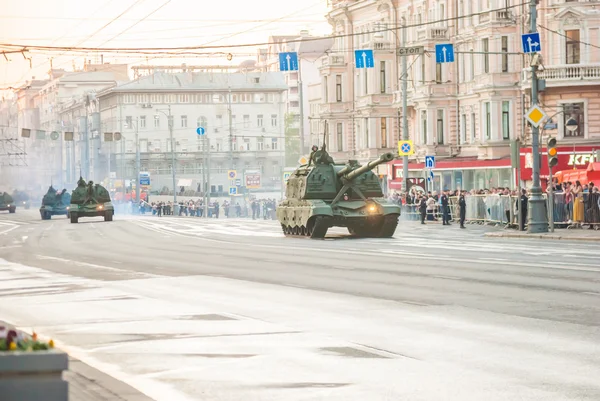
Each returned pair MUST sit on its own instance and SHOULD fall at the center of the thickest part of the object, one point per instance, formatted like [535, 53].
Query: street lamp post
[173, 167]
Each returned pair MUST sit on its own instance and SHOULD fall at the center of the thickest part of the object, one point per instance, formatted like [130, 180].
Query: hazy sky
[177, 23]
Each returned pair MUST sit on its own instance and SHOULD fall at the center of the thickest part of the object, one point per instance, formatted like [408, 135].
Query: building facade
[466, 112]
[242, 114]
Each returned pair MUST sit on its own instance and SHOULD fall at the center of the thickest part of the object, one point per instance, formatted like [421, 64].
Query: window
[383, 132]
[245, 97]
[155, 98]
[169, 99]
[463, 129]
[340, 137]
[234, 98]
[504, 53]
[270, 97]
[129, 122]
[273, 120]
[488, 120]
[259, 120]
[325, 97]
[338, 88]
[366, 133]
[440, 127]
[438, 73]
[260, 143]
[572, 46]
[142, 121]
[143, 98]
[259, 98]
[472, 130]
[183, 121]
[485, 48]
[246, 121]
[382, 83]
[274, 145]
[156, 121]
[128, 98]
[184, 98]
[505, 120]
[424, 127]
[575, 111]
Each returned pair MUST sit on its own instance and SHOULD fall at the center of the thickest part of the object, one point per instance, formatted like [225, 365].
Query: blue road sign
[531, 42]
[430, 176]
[288, 61]
[405, 147]
[364, 59]
[200, 131]
[238, 182]
[232, 190]
[429, 161]
[444, 53]
[144, 179]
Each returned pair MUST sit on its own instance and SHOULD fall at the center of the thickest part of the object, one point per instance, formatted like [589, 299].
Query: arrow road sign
[200, 131]
[288, 61]
[429, 161]
[444, 53]
[531, 42]
[232, 190]
[405, 148]
[364, 59]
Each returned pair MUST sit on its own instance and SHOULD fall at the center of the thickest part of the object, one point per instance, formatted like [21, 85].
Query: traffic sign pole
[538, 220]
[404, 112]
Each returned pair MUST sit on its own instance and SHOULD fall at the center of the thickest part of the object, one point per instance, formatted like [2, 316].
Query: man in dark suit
[462, 205]
[423, 208]
[445, 208]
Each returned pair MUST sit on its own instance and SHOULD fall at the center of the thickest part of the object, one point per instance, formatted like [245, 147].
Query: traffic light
[552, 152]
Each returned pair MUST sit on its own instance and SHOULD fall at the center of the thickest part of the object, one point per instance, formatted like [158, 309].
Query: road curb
[542, 236]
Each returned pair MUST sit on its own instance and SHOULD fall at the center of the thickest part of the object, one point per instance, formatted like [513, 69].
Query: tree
[292, 140]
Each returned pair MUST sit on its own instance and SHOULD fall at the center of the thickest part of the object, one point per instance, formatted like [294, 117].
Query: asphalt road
[190, 309]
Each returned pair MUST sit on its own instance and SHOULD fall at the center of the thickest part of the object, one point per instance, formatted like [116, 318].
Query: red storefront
[472, 173]
[569, 158]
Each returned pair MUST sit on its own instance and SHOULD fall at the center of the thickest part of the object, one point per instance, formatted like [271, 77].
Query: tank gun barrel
[384, 158]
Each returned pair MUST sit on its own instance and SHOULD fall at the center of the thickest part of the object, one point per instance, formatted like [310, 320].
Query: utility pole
[538, 219]
[86, 139]
[138, 187]
[230, 131]
[300, 98]
[404, 111]
[173, 167]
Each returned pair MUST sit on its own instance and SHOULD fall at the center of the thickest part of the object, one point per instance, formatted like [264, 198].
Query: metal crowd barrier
[494, 209]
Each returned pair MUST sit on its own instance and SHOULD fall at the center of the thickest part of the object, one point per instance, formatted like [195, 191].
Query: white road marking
[107, 268]
[447, 277]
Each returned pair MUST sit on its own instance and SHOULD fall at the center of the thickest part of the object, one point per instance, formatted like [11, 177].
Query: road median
[593, 236]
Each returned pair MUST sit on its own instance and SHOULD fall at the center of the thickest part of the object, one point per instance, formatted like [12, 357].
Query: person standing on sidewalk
[462, 206]
[445, 208]
[423, 208]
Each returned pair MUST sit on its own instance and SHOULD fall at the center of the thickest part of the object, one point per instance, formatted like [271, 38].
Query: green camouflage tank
[55, 203]
[89, 200]
[7, 202]
[323, 194]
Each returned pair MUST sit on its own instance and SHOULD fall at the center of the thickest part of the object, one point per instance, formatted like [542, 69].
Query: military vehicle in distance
[323, 194]
[21, 198]
[90, 200]
[7, 203]
[55, 203]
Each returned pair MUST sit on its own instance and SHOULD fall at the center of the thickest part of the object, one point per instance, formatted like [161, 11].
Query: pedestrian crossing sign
[405, 148]
[232, 190]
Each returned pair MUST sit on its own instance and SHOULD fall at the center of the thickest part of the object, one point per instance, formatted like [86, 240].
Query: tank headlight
[9, 205]
[100, 207]
[24, 202]
[68, 207]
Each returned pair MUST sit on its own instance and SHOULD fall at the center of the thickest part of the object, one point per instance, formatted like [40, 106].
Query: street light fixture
[173, 167]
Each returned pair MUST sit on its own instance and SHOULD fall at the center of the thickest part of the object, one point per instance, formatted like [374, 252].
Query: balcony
[496, 17]
[379, 99]
[427, 33]
[333, 61]
[378, 44]
[565, 75]
[339, 107]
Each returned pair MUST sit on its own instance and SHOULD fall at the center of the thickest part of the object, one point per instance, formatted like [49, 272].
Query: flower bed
[30, 369]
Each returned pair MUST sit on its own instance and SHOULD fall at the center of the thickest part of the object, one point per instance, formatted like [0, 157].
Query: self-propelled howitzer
[324, 194]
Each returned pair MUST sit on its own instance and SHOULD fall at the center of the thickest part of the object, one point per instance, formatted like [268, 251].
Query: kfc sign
[581, 160]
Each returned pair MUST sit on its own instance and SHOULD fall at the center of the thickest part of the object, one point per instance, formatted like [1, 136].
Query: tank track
[315, 229]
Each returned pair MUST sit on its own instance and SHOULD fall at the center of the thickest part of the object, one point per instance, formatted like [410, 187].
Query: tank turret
[88, 200]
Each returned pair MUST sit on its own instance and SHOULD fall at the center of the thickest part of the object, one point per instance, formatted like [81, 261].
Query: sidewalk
[562, 234]
[89, 384]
